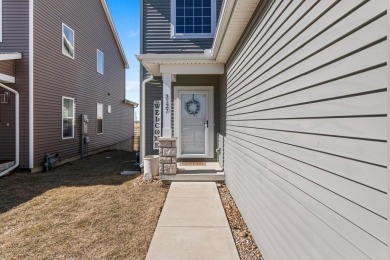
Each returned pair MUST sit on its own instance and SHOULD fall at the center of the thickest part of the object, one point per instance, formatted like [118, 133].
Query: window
[99, 117]
[1, 20]
[67, 118]
[193, 18]
[67, 41]
[100, 62]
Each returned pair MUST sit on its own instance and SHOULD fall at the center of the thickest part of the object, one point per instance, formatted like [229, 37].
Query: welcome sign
[156, 123]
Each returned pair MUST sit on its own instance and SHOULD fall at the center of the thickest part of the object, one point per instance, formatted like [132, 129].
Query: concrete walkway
[193, 225]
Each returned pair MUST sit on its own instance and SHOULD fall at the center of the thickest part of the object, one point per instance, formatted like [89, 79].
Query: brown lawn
[82, 210]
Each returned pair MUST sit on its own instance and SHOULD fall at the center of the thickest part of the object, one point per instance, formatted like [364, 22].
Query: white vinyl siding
[99, 118]
[100, 61]
[305, 150]
[67, 41]
[68, 122]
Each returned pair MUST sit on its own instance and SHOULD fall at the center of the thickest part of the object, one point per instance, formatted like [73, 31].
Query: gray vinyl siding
[56, 75]
[202, 80]
[157, 31]
[155, 92]
[7, 67]
[156, 38]
[16, 39]
[7, 129]
[305, 150]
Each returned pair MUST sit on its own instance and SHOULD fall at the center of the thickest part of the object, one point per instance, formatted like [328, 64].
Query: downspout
[16, 130]
[143, 116]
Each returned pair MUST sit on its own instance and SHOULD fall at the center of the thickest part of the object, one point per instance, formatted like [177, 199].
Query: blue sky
[126, 16]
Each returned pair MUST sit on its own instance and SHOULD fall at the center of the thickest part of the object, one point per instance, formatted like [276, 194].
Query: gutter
[16, 130]
[143, 117]
[134, 104]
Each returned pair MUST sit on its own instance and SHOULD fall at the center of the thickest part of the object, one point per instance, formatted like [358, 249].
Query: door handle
[207, 123]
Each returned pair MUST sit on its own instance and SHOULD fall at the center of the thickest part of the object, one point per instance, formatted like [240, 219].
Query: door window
[193, 123]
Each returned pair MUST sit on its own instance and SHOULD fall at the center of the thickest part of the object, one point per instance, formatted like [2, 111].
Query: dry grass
[82, 210]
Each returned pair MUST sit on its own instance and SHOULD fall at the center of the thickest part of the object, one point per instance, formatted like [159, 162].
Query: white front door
[194, 124]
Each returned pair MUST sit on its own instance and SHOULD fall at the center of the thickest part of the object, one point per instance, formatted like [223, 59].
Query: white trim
[193, 35]
[97, 109]
[166, 106]
[210, 133]
[31, 86]
[1, 20]
[6, 78]
[115, 33]
[97, 62]
[62, 118]
[131, 103]
[11, 55]
[62, 42]
[143, 118]
[109, 109]
[17, 131]
[191, 69]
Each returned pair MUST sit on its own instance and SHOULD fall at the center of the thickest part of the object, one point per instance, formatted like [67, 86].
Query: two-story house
[60, 60]
[291, 97]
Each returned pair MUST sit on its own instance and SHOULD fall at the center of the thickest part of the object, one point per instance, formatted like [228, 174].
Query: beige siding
[56, 75]
[305, 149]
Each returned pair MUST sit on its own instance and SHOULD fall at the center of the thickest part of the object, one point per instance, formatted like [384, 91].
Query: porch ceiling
[157, 64]
[10, 56]
[7, 66]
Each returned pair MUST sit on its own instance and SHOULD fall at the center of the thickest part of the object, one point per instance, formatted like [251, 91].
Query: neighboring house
[297, 91]
[62, 59]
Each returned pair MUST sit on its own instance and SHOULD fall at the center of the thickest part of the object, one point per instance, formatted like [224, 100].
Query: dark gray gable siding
[154, 92]
[156, 38]
[157, 31]
[16, 39]
[56, 75]
[305, 140]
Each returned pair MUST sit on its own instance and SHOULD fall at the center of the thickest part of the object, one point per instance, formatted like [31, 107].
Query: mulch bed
[246, 246]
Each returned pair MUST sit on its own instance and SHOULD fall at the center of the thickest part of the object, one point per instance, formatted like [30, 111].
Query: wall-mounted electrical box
[4, 98]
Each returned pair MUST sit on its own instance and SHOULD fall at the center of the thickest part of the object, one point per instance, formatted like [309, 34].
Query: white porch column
[166, 108]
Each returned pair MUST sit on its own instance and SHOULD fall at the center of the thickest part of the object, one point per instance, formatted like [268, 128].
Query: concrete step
[194, 177]
[6, 165]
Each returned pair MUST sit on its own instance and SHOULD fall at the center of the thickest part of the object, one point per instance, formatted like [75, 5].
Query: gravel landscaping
[246, 246]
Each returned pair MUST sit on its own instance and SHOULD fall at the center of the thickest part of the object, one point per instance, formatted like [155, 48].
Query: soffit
[232, 24]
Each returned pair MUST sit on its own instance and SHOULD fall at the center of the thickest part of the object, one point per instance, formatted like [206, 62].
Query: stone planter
[168, 156]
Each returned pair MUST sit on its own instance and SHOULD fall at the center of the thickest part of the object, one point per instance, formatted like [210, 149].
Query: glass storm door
[194, 122]
[194, 116]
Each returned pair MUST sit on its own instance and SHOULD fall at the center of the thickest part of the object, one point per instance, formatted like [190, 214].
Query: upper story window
[1, 20]
[100, 62]
[67, 41]
[67, 118]
[193, 18]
